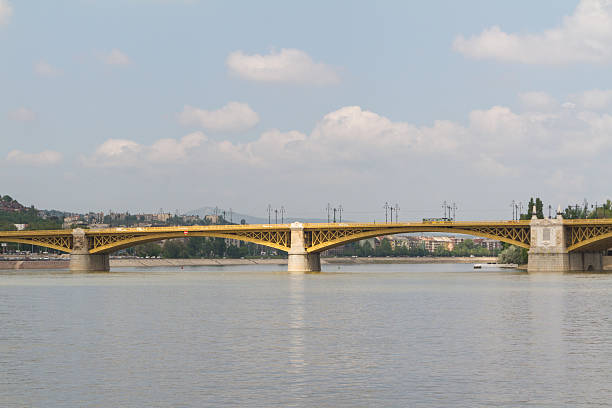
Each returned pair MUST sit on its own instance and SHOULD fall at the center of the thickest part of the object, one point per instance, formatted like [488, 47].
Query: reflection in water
[296, 322]
[372, 335]
[547, 308]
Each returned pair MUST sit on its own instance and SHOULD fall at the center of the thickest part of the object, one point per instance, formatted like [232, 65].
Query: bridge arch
[596, 243]
[346, 239]
[26, 241]
[60, 240]
[102, 246]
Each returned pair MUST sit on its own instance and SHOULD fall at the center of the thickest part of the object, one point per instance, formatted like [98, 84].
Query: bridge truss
[318, 237]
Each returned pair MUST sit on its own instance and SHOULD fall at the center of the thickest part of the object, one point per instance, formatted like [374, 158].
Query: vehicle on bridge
[441, 219]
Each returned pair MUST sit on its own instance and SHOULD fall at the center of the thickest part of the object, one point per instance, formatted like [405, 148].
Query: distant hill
[8, 204]
[249, 219]
[13, 213]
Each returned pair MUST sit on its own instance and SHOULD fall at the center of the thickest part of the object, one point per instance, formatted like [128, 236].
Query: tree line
[466, 248]
[203, 247]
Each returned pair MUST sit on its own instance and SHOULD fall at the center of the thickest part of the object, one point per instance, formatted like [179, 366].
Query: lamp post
[386, 207]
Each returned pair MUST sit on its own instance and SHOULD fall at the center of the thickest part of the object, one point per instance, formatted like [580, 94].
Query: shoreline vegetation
[152, 263]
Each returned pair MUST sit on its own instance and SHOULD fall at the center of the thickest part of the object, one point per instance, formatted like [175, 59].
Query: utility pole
[386, 207]
[328, 211]
[454, 210]
[513, 205]
[269, 214]
[334, 214]
[444, 206]
[396, 211]
[391, 214]
[282, 211]
[340, 209]
[276, 215]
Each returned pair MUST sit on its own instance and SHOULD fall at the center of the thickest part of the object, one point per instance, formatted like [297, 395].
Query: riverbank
[152, 263]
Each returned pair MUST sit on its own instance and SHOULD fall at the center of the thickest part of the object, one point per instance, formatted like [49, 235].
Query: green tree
[529, 209]
[441, 251]
[513, 255]
[366, 249]
[148, 249]
[384, 249]
[539, 208]
[174, 249]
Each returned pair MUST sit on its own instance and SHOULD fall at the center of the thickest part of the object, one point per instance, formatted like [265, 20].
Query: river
[358, 335]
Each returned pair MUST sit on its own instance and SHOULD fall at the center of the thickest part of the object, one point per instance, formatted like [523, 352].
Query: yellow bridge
[90, 248]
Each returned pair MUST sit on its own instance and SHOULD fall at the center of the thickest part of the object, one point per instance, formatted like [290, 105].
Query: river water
[359, 335]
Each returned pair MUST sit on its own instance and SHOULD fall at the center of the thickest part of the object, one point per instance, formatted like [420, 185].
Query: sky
[137, 105]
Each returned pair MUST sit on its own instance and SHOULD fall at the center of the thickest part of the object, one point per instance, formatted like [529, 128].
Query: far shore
[152, 263]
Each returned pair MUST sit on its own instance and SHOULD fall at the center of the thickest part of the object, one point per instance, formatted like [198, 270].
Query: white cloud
[585, 36]
[351, 137]
[287, 66]
[115, 153]
[351, 133]
[22, 115]
[6, 11]
[113, 148]
[496, 141]
[273, 145]
[43, 68]
[345, 137]
[127, 153]
[594, 99]
[233, 117]
[45, 158]
[114, 57]
[496, 149]
[172, 150]
[538, 101]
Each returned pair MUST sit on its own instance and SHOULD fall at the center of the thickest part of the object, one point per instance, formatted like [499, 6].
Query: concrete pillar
[300, 260]
[585, 261]
[80, 258]
[548, 252]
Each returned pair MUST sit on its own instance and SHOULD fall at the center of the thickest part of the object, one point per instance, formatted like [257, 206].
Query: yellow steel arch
[596, 242]
[44, 244]
[142, 239]
[392, 231]
[60, 240]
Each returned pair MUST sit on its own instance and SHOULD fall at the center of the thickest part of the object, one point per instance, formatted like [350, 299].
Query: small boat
[495, 265]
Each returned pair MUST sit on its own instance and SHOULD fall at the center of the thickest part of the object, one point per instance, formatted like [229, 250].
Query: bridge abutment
[299, 259]
[80, 258]
[89, 263]
[548, 252]
[585, 261]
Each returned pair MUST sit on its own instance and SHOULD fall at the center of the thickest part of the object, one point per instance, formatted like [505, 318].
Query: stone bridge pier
[548, 252]
[80, 258]
[299, 259]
